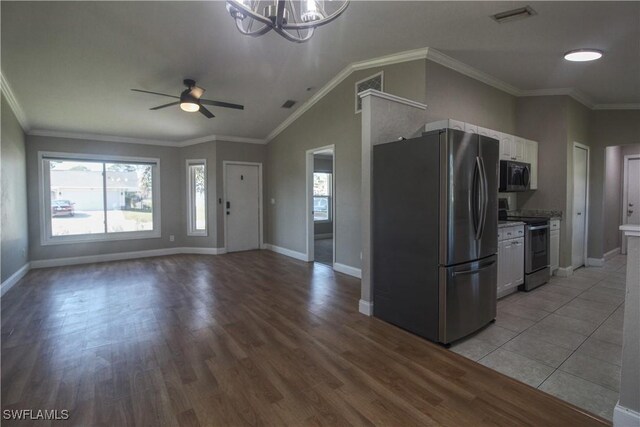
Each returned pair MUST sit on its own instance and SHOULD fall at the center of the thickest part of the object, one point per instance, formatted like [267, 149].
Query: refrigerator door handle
[485, 196]
[477, 208]
[473, 270]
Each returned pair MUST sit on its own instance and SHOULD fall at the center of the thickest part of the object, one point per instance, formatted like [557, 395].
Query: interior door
[632, 188]
[242, 207]
[633, 192]
[580, 161]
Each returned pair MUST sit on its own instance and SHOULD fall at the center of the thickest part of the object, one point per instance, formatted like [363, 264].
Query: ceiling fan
[190, 100]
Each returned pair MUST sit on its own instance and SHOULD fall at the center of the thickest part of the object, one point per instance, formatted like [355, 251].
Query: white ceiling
[71, 64]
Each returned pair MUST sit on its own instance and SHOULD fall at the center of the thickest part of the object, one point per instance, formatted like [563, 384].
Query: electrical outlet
[24, 253]
[273, 201]
[172, 238]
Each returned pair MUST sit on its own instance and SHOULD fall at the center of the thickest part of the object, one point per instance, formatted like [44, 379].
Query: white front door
[580, 161]
[242, 207]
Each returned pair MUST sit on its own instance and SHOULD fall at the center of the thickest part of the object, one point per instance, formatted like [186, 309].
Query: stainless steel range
[537, 247]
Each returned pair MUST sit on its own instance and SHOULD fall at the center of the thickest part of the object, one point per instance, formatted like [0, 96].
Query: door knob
[629, 212]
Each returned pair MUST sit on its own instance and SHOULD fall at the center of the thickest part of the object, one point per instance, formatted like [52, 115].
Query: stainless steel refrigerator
[435, 233]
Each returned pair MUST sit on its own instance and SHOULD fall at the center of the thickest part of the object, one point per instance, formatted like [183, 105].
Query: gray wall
[207, 151]
[612, 198]
[323, 164]
[544, 119]
[173, 192]
[451, 95]
[330, 121]
[228, 151]
[171, 172]
[608, 128]
[13, 195]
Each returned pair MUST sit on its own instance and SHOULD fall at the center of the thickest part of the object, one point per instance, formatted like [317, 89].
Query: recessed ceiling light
[582, 55]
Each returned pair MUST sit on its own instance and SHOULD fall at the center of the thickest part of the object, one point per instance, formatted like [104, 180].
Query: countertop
[503, 224]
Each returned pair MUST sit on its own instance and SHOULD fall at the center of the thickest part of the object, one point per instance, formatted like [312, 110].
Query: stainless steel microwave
[514, 176]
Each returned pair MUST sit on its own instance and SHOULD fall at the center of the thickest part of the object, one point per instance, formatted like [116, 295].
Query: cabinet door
[506, 143]
[507, 278]
[518, 261]
[533, 159]
[501, 265]
[555, 249]
[517, 152]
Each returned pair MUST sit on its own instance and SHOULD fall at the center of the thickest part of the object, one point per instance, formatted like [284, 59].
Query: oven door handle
[538, 227]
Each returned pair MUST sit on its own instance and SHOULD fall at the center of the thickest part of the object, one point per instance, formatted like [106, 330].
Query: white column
[385, 118]
[627, 411]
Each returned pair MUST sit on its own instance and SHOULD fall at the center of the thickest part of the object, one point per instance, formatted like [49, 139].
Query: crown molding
[394, 98]
[409, 55]
[102, 138]
[616, 107]
[13, 102]
[126, 140]
[579, 96]
[228, 138]
[469, 71]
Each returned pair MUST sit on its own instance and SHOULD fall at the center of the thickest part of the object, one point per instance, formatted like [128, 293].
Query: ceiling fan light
[583, 55]
[189, 107]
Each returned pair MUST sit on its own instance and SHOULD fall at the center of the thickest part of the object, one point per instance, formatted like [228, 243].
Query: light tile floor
[564, 338]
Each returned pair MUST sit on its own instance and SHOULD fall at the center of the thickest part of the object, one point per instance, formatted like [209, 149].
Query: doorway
[321, 205]
[630, 194]
[242, 206]
[580, 205]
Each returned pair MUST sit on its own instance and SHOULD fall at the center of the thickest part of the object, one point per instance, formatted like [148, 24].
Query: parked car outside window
[62, 208]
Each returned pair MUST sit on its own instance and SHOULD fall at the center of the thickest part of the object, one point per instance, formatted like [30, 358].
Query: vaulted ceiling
[71, 64]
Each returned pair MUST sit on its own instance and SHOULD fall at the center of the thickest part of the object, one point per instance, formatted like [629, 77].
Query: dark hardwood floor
[250, 338]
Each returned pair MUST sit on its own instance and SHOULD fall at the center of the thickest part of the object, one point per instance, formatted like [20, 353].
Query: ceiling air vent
[288, 103]
[514, 14]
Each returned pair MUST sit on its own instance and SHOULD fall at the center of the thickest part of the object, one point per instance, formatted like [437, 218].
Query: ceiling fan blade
[221, 104]
[208, 114]
[155, 93]
[165, 105]
[196, 92]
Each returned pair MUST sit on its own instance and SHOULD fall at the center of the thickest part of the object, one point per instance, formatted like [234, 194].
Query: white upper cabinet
[489, 132]
[531, 157]
[506, 147]
[450, 123]
[512, 147]
[517, 150]
[470, 128]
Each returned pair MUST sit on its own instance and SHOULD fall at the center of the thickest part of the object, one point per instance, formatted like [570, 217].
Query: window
[322, 187]
[372, 82]
[98, 198]
[197, 197]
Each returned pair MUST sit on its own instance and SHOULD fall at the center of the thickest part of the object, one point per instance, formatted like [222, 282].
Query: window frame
[44, 188]
[191, 213]
[329, 200]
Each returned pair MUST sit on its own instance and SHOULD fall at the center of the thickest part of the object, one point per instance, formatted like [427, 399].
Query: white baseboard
[595, 262]
[611, 253]
[625, 417]
[14, 278]
[202, 251]
[59, 262]
[287, 252]
[323, 236]
[564, 271]
[365, 307]
[347, 269]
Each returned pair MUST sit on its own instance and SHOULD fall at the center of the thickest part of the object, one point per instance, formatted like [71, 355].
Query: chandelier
[294, 20]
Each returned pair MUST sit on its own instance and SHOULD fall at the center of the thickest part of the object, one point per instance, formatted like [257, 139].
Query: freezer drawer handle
[539, 227]
[473, 270]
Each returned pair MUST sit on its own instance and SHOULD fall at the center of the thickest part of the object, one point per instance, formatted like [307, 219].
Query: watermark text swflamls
[35, 414]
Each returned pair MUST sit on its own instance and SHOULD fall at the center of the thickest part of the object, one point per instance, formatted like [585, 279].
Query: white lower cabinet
[510, 260]
[554, 243]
